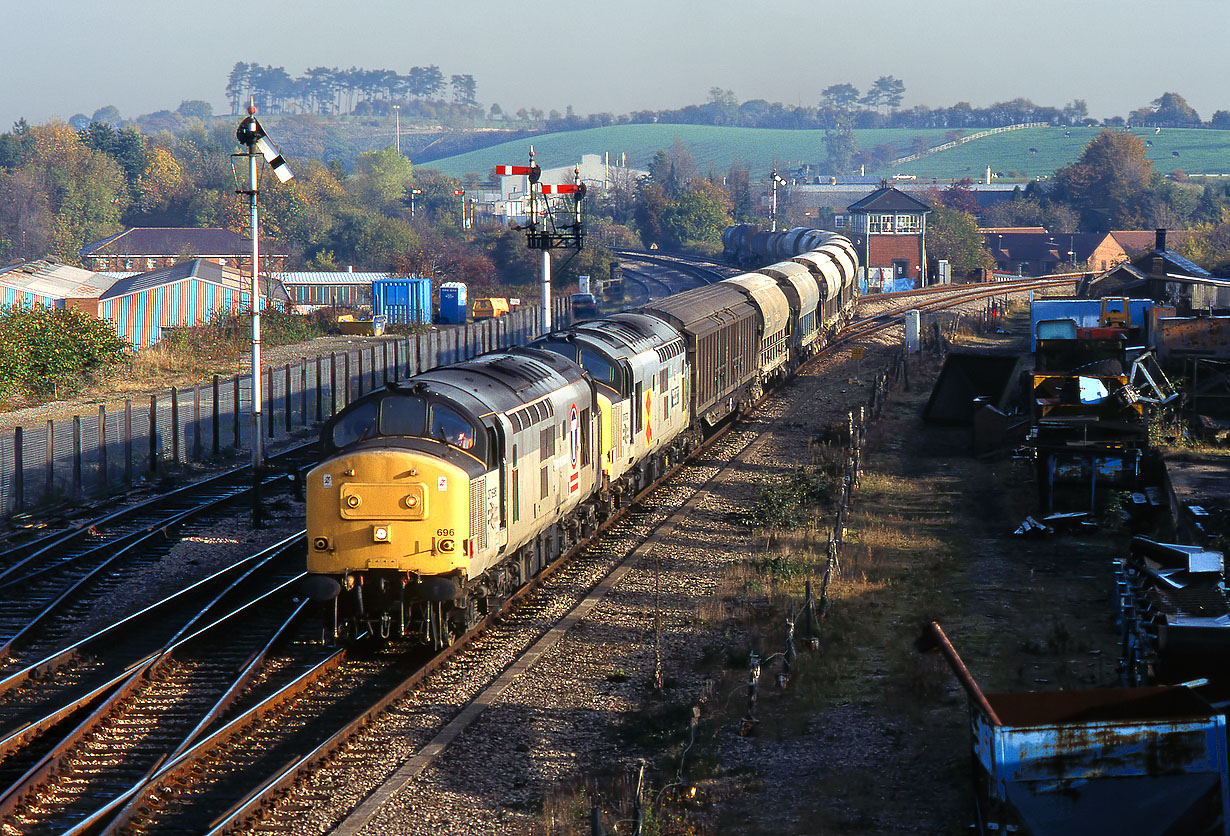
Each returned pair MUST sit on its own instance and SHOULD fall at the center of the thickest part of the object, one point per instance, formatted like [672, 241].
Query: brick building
[1036, 252]
[889, 229]
[151, 248]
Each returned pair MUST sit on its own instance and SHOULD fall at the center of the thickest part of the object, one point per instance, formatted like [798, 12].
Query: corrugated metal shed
[141, 306]
[338, 288]
[45, 282]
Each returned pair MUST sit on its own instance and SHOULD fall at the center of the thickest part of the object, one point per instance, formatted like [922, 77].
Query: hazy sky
[75, 56]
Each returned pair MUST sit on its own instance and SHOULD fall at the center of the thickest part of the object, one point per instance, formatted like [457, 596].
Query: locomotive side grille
[478, 515]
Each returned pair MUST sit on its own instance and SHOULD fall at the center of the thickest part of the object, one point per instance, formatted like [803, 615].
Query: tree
[464, 89]
[961, 197]
[109, 114]
[160, 182]
[86, 189]
[1173, 109]
[724, 105]
[1209, 244]
[650, 209]
[887, 91]
[237, 84]
[953, 235]
[1076, 111]
[25, 217]
[697, 214]
[195, 109]
[840, 96]
[381, 177]
[840, 144]
[1109, 183]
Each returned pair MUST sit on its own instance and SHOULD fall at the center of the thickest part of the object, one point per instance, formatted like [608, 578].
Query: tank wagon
[438, 496]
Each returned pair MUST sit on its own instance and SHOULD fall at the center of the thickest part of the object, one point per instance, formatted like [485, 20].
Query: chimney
[1159, 242]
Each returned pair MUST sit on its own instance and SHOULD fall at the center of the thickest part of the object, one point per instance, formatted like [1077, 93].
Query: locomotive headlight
[353, 501]
[321, 544]
[411, 501]
[380, 533]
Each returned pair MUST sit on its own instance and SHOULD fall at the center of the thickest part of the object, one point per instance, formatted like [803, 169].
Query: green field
[715, 149]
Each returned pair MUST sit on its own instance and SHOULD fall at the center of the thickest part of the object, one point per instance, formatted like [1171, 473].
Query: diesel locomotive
[439, 495]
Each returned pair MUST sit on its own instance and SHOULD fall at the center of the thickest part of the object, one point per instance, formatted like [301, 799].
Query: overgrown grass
[790, 501]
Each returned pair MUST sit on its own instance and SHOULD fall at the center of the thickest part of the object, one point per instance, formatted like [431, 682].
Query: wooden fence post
[235, 422]
[50, 463]
[287, 398]
[270, 401]
[319, 388]
[76, 488]
[102, 448]
[217, 439]
[346, 376]
[303, 389]
[175, 425]
[128, 441]
[19, 467]
[153, 434]
[197, 444]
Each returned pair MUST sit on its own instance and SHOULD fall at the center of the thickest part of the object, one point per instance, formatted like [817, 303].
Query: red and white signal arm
[566, 188]
[506, 170]
[574, 436]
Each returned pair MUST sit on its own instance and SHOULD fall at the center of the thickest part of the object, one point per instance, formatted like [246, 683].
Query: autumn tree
[161, 182]
[86, 190]
[1109, 183]
[953, 235]
[25, 217]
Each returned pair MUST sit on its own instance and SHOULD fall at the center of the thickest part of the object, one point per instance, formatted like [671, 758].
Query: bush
[42, 350]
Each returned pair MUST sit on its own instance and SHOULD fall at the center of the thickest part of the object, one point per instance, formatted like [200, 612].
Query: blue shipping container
[453, 307]
[405, 300]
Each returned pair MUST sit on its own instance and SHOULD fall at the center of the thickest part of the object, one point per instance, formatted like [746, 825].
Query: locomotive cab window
[599, 368]
[356, 425]
[403, 415]
[564, 349]
[451, 427]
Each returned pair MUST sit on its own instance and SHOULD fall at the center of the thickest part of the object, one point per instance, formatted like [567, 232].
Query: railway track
[594, 567]
[223, 776]
[49, 585]
[146, 701]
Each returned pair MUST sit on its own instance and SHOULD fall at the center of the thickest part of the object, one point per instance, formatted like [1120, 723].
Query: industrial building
[141, 306]
[48, 283]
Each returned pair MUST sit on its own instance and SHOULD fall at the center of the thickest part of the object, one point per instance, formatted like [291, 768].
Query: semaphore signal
[553, 223]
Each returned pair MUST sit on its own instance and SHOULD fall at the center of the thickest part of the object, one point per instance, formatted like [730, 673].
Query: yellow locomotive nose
[387, 509]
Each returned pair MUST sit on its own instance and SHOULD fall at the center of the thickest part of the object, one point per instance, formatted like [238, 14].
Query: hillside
[714, 148]
[1030, 152]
